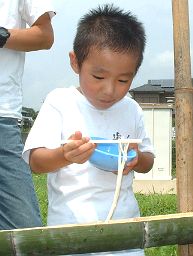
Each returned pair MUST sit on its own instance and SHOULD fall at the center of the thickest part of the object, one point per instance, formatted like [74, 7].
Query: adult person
[18, 203]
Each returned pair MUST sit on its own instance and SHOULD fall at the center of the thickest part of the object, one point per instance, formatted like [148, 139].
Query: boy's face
[105, 76]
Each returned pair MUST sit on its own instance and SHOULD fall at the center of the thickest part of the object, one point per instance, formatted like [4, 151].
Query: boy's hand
[131, 164]
[79, 149]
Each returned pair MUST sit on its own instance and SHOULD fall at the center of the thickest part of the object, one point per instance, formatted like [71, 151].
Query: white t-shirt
[81, 193]
[16, 14]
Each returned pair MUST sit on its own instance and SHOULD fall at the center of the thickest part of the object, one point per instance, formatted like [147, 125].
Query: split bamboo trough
[143, 232]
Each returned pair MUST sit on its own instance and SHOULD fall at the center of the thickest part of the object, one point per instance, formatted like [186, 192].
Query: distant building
[155, 91]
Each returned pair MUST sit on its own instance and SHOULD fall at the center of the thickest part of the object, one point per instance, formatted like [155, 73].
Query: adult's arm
[38, 37]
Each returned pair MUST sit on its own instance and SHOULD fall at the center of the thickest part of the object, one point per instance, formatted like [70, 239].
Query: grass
[151, 204]
[41, 190]
[156, 204]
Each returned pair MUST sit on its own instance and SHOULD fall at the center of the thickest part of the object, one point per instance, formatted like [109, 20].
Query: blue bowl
[105, 156]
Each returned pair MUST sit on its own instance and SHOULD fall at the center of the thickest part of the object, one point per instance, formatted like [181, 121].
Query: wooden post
[184, 111]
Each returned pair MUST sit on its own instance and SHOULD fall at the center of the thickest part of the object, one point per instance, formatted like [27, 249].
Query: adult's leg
[18, 203]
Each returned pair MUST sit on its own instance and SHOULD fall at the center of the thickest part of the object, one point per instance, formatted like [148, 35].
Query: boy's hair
[109, 27]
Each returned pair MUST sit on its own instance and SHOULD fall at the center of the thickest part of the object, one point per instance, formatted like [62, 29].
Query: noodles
[123, 147]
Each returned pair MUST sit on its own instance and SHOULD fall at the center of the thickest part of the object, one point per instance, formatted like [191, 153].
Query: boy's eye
[123, 81]
[98, 77]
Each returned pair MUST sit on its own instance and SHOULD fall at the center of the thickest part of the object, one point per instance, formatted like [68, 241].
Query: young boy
[108, 50]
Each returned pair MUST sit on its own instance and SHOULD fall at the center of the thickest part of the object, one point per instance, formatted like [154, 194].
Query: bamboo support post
[96, 237]
[184, 111]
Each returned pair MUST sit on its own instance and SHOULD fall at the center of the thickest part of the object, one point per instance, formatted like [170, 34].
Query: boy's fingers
[78, 150]
[76, 136]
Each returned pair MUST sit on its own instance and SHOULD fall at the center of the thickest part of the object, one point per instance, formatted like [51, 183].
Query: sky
[48, 69]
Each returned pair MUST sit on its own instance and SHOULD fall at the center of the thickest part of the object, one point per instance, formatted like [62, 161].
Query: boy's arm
[145, 162]
[142, 163]
[39, 36]
[44, 160]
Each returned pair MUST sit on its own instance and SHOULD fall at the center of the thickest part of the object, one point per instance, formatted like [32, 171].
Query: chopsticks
[138, 141]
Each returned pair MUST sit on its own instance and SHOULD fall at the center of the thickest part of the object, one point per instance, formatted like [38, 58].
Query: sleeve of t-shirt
[46, 130]
[146, 145]
[33, 9]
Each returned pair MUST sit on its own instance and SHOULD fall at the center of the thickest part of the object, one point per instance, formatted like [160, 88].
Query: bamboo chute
[141, 232]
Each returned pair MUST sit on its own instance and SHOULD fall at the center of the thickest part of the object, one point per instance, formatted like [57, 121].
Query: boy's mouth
[107, 101]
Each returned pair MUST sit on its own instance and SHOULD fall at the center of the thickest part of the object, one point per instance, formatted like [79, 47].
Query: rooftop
[152, 88]
[159, 85]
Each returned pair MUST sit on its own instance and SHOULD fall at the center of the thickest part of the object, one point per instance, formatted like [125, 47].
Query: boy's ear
[74, 62]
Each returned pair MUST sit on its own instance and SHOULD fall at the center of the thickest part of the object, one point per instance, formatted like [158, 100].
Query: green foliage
[156, 204]
[31, 112]
[25, 129]
[27, 122]
[162, 251]
[41, 190]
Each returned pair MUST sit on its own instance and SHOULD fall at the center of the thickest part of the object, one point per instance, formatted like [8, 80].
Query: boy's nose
[109, 89]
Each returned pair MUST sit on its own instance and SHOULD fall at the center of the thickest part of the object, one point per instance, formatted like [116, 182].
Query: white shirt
[16, 14]
[81, 193]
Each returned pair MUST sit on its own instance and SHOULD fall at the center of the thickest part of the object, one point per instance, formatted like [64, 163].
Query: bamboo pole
[97, 237]
[184, 111]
